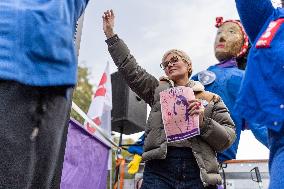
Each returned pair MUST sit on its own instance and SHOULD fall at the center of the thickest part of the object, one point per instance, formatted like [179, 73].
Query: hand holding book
[196, 108]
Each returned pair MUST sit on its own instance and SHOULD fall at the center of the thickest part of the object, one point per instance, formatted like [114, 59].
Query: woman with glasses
[185, 164]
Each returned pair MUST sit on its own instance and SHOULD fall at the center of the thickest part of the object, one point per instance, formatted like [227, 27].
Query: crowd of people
[244, 90]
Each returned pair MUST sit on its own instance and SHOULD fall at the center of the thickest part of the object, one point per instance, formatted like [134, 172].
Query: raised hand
[108, 23]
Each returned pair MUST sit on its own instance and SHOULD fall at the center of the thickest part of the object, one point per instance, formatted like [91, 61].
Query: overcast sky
[150, 28]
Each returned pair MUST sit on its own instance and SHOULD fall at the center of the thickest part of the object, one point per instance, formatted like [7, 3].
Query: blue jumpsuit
[261, 98]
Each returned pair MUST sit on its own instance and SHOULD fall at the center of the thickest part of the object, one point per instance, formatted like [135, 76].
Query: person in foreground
[38, 65]
[231, 48]
[261, 98]
[187, 164]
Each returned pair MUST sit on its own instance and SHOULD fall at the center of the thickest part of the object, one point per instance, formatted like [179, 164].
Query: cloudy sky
[150, 28]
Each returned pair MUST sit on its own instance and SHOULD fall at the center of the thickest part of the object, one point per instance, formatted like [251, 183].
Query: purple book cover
[178, 124]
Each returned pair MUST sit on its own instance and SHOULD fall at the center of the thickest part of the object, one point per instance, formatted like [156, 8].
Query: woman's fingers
[108, 15]
[111, 13]
[196, 108]
[192, 103]
[196, 111]
[104, 15]
[108, 23]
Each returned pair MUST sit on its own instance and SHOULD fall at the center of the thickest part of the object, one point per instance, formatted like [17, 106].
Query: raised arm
[140, 81]
[253, 15]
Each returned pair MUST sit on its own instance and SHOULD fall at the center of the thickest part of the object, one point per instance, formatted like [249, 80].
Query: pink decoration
[178, 124]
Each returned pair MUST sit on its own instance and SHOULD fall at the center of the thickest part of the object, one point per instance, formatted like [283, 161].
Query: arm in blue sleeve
[260, 132]
[195, 77]
[81, 6]
[253, 15]
[137, 148]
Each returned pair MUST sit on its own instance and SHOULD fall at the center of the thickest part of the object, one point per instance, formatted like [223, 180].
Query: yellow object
[133, 166]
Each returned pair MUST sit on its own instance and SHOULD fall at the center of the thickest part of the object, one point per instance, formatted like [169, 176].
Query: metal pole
[282, 3]
[79, 28]
[110, 173]
[120, 137]
[98, 129]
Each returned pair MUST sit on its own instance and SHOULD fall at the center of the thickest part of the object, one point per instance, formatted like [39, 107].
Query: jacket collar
[195, 85]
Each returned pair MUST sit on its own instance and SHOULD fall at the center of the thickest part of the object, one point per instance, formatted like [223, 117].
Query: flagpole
[83, 115]
[110, 173]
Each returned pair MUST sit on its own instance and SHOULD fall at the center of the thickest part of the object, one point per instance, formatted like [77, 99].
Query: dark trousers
[178, 171]
[33, 130]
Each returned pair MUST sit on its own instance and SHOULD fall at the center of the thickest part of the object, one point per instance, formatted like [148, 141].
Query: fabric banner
[179, 125]
[101, 105]
[85, 160]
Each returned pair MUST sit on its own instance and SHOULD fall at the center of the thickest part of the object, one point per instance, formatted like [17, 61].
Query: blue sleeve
[260, 132]
[253, 15]
[137, 148]
[81, 6]
[195, 77]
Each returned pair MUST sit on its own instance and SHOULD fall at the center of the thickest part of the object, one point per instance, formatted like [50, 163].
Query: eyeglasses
[173, 60]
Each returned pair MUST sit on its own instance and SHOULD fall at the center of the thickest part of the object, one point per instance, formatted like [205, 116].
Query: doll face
[229, 41]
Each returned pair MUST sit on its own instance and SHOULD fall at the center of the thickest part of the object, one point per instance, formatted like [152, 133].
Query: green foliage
[82, 94]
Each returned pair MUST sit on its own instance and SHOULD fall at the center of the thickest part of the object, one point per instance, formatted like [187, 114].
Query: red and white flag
[101, 105]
